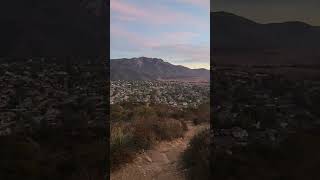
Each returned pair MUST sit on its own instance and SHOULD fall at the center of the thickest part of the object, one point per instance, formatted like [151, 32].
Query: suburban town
[173, 93]
[257, 111]
[51, 111]
[264, 102]
[42, 94]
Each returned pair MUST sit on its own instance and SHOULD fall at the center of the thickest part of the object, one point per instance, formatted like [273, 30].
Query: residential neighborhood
[173, 93]
[38, 94]
[258, 106]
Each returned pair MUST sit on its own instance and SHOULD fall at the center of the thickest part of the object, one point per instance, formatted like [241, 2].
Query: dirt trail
[161, 162]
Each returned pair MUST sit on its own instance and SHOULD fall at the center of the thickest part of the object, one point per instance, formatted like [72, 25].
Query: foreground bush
[143, 127]
[196, 158]
[198, 115]
[57, 157]
[121, 144]
[128, 139]
[295, 158]
[148, 131]
[169, 129]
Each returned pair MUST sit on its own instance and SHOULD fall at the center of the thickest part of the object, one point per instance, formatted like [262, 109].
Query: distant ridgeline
[232, 31]
[144, 68]
[236, 39]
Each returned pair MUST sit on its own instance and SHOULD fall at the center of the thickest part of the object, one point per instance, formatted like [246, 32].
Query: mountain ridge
[239, 40]
[144, 68]
[225, 13]
[232, 31]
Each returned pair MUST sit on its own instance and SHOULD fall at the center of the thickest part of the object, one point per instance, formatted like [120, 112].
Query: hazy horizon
[177, 31]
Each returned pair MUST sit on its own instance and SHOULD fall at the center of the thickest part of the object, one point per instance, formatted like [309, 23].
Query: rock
[148, 159]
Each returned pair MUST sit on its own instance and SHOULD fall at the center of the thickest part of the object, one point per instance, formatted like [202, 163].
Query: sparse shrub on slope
[144, 133]
[295, 158]
[199, 115]
[144, 112]
[121, 144]
[147, 131]
[170, 129]
[62, 157]
[117, 113]
[142, 128]
[196, 158]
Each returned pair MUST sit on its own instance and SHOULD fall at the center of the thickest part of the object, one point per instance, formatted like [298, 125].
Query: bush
[130, 137]
[120, 135]
[142, 126]
[198, 115]
[121, 141]
[169, 129]
[144, 133]
[196, 158]
[148, 131]
[57, 157]
[295, 158]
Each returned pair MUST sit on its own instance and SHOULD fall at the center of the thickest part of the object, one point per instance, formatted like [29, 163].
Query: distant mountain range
[235, 39]
[232, 31]
[144, 68]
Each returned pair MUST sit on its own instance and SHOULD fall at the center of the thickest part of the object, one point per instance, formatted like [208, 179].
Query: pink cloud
[162, 39]
[178, 37]
[162, 44]
[131, 38]
[126, 9]
[155, 15]
[202, 3]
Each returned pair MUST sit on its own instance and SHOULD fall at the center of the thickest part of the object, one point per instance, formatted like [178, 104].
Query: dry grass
[144, 127]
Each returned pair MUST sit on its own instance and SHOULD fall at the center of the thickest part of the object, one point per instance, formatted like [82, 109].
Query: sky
[177, 31]
[266, 11]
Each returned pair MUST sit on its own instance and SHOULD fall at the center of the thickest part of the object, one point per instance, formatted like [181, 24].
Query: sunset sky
[177, 31]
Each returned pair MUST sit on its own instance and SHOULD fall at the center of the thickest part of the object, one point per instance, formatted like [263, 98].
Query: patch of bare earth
[160, 162]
